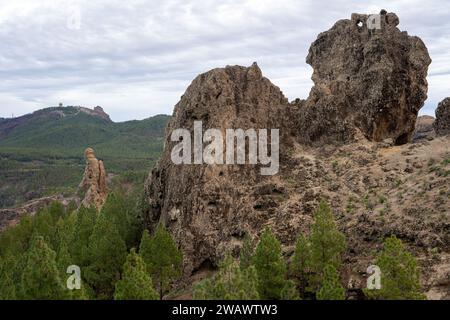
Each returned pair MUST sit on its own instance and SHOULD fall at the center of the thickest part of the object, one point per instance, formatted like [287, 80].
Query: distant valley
[42, 153]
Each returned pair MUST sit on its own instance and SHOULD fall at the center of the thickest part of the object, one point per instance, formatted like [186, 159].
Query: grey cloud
[137, 57]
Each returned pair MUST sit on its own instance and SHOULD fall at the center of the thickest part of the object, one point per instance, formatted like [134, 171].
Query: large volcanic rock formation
[11, 216]
[205, 206]
[368, 80]
[442, 123]
[368, 85]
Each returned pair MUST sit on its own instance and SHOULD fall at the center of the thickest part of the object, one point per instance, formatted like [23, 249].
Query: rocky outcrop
[369, 86]
[424, 128]
[442, 123]
[93, 188]
[367, 80]
[97, 111]
[10, 217]
[204, 206]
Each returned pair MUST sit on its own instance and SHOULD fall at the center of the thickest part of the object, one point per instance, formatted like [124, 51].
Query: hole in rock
[402, 139]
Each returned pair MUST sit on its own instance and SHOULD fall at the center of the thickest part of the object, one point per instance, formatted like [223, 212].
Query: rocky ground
[375, 189]
[10, 217]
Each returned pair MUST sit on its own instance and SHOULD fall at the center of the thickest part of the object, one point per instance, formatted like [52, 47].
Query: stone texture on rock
[442, 123]
[372, 81]
[205, 206]
[93, 187]
[368, 87]
[424, 128]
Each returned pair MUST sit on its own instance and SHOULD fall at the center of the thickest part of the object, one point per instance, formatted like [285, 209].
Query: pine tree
[246, 255]
[40, 278]
[231, 282]
[17, 239]
[63, 259]
[13, 266]
[64, 231]
[270, 267]
[301, 263]
[71, 208]
[107, 254]
[162, 258]
[122, 212]
[44, 225]
[7, 286]
[56, 211]
[84, 226]
[135, 284]
[205, 290]
[331, 287]
[145, 247]
[400, 276]
[289, 291]
[327, 244]
[45, 220]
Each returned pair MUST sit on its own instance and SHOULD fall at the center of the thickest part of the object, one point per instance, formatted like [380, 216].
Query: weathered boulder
[442, 123]
[424, 128]
[367, 80]
[93, 188]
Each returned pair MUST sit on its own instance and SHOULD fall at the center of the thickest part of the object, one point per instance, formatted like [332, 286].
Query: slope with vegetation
[35, 254]
[42, 153]
[313, 272]
[120, 260]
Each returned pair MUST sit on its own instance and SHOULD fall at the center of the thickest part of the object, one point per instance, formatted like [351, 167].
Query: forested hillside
[42, 153]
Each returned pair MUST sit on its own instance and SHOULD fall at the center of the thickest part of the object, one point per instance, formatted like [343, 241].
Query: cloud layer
[136, 58]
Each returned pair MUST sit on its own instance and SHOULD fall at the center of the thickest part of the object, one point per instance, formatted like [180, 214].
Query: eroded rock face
[93, 187]
[372, 81]
[424, 128]
[368, 85]
[442, 123]
[205, 207]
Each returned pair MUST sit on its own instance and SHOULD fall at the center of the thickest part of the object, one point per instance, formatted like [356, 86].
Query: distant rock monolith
[93, 187]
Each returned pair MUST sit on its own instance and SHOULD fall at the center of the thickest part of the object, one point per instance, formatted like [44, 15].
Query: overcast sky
[136, 58]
